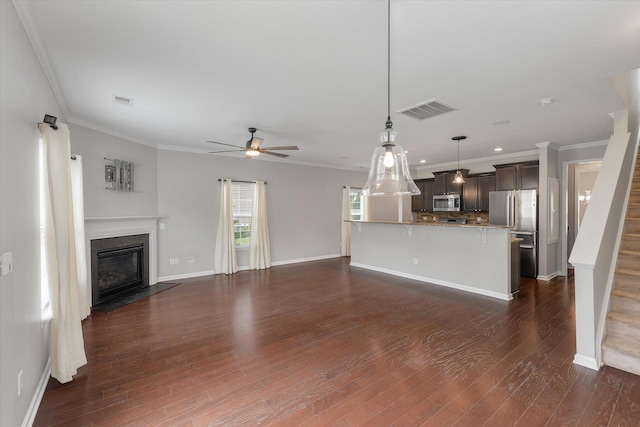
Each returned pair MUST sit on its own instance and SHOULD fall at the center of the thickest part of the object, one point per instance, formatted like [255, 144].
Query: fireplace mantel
[103, 227]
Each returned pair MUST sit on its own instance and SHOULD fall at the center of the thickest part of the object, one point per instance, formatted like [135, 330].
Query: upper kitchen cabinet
[423, 202]
[529, 176]
[475, 192]
[486, 184]
[517, 176]
[443, 182]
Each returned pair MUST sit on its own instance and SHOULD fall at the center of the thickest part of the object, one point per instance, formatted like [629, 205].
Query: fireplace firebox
[119, 265]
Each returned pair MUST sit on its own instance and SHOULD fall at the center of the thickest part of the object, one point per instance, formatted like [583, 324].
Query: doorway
[580, 180]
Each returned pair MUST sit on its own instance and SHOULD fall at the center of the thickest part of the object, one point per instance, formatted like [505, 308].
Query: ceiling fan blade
[222, 143]
[274, 154]
[255, 142]
[225, 151]
[286, 147]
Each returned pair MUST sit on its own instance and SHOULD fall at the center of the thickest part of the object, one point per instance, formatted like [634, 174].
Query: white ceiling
[313, 73]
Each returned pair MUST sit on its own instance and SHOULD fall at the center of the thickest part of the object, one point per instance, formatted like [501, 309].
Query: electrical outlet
[20, 383]
[162, 226]
[415, 261]
[191, 260]
[177, 260]
[171, 261]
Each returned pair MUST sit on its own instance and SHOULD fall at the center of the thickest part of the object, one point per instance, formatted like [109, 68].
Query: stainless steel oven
[446, 203]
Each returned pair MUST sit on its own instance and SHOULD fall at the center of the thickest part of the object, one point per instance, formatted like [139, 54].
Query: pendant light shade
[458, 179]
[389, 173]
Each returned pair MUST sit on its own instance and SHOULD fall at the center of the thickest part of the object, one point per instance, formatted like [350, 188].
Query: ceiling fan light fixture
[252, 153]
[389, 172]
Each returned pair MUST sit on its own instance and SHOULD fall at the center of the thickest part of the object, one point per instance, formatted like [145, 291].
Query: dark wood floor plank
[322, 344]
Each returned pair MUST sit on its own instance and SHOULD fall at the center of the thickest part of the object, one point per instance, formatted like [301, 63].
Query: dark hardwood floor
[323, 344]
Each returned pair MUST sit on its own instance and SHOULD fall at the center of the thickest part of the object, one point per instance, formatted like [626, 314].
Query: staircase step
[629, 260]
[625, 301]
[633, 209]
[630, 241]
[631, 225]
[634, 195]
[623, 326]
[621, 354]
[627, 279]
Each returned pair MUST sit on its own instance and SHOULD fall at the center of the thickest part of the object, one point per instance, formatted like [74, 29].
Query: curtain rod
[355, 188]
[237, 180]
[51, 121]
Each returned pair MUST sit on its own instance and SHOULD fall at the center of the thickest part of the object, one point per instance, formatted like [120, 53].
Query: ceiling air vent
[122, 100]
[428, 109]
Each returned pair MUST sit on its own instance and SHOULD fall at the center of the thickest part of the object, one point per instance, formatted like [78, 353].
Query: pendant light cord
[389, 60]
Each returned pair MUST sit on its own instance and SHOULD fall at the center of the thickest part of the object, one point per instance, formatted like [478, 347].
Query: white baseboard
[549, 277]
[505, 297]
[587, 362]
[185, 276]
[30, 416]
[314, 258]
[244, 267]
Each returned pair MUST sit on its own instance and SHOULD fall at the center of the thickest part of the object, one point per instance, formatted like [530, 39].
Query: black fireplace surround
[118, 265]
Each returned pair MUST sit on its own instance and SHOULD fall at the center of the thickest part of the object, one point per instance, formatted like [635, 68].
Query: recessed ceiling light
[502, 122]
[406, 152]
[497, 149]
[545, 101]
[423, 161]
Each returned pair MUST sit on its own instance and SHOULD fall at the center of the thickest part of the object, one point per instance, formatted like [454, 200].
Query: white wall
[304, 208]
[94, 146]
[26, 97]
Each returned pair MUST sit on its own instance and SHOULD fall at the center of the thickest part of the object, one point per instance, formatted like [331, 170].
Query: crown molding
[582, 145]
[29, 22]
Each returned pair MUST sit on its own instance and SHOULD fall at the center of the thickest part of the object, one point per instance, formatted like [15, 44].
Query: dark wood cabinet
[506, 178]
[517, 176]
[428, 195]
[470, 194]
[529, 176]
[475, 192]
[486, 184]
[423, 202]
[443, 182]
[417, 202]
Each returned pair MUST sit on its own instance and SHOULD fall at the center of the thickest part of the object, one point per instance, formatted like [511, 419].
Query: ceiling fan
[252, 148]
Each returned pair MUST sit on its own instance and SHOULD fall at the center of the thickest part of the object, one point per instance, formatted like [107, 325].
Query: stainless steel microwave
[447, 203]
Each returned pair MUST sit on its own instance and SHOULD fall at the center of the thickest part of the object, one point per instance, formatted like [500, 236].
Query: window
[355, 202]
[242, 201]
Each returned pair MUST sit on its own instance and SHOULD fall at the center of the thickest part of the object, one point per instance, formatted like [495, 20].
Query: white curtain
[345, 246]
[224, 260]
[77, 194]
[260, 248]
[67, 345]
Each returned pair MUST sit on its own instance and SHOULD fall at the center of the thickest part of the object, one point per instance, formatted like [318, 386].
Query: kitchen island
[470, 257]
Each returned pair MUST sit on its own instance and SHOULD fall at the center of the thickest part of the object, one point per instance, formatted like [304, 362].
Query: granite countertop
[438, 224]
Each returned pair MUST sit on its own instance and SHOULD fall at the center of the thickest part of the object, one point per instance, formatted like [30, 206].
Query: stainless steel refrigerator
[519, 208]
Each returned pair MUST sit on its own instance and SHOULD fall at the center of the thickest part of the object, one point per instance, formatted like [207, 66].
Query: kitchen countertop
[437, 224]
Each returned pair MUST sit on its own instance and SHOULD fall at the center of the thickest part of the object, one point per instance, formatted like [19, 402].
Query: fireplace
[119, 265]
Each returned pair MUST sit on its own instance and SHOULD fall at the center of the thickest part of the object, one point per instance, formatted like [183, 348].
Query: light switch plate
[7, 263]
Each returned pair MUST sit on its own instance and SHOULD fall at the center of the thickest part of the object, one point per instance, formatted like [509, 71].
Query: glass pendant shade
[389, 173]
[459, 179]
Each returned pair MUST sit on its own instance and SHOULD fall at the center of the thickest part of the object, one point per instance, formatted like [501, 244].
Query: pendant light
[459, 179]
[389, 173]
